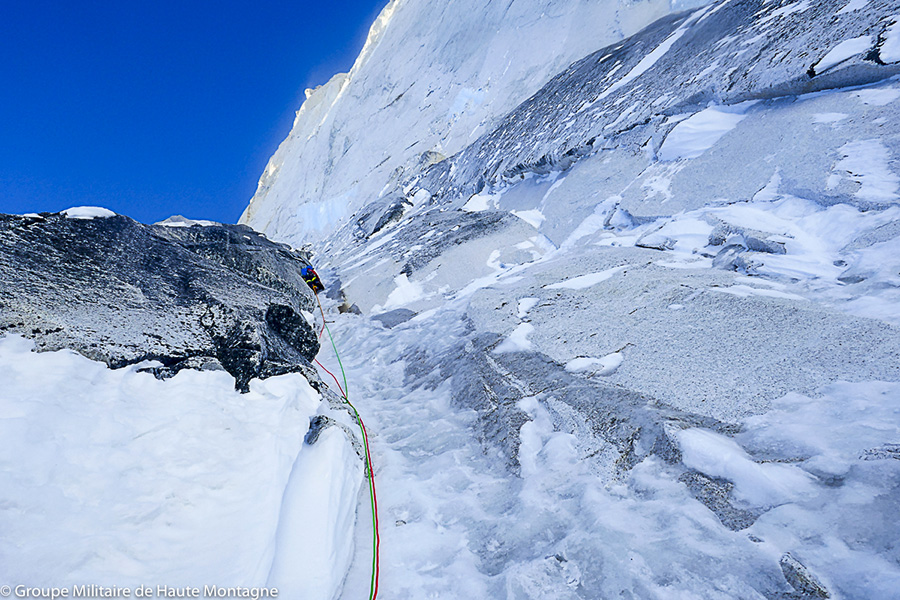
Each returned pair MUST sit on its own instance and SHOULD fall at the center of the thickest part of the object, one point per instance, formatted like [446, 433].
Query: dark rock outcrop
[616, 427]
[123, 292]
[805, 584]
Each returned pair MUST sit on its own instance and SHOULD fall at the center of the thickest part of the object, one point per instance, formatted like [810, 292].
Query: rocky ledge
[186, 295]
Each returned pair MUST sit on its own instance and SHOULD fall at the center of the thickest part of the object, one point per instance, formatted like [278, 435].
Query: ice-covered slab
[692, 137]
[845, 50]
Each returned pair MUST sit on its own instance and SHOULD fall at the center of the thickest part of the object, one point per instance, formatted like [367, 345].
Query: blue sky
[154, 108]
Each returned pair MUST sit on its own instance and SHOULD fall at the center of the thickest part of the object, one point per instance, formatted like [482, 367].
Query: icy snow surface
[657, 363]
[607, 364]
[314, 545]
[890, 49]
[718, 296]
[692, 137]
[867, 162]
[853, 5]
[517, 340]
[456, 525]
[433, 77]
[843, 51]
[585, 281]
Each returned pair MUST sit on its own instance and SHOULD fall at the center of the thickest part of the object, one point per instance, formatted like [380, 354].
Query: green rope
[343, 374]
[372, 584]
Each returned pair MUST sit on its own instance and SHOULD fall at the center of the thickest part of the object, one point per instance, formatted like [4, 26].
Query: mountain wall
[637, 258]
[430, 80]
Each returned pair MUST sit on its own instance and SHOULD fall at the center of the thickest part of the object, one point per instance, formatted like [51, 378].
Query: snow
[829, 117]
[518, 340]
[532, 217]
[526, 304]
[521, 493]
[683, 234]
[323, 215]
[180, 221]
[813, 235]
[890, 48]
[585, 281]
[878, 97]
[881, 262]
[525, 495]
[472, 63]
[694, 136]
[853, 5]
[114, 477]
[843, 436]
[649, 60]
[868, 163]
[314, 544]
[479, 202]
[455, 524]
[785, 11]
[88, 212]
[405, 293]
[745, 291]
[759, 484]
[770, 192]
[843, 51]
[606, 365]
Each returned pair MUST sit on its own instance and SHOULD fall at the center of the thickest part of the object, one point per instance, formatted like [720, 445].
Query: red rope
[375, 511]
[365, 432]
[343, 395]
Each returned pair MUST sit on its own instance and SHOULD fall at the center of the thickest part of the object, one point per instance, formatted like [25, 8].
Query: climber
[312, 279]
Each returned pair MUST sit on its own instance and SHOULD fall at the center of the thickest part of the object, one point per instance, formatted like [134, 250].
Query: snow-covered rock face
[433, 76]
[662, 292]
[696, 175]
[216, 296]
[629, 325]
[635, 95]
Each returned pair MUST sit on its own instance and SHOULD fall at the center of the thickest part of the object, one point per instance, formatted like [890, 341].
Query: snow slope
[807, 492]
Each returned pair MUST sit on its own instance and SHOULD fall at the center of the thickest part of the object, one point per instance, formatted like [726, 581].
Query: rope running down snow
[373, 500]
